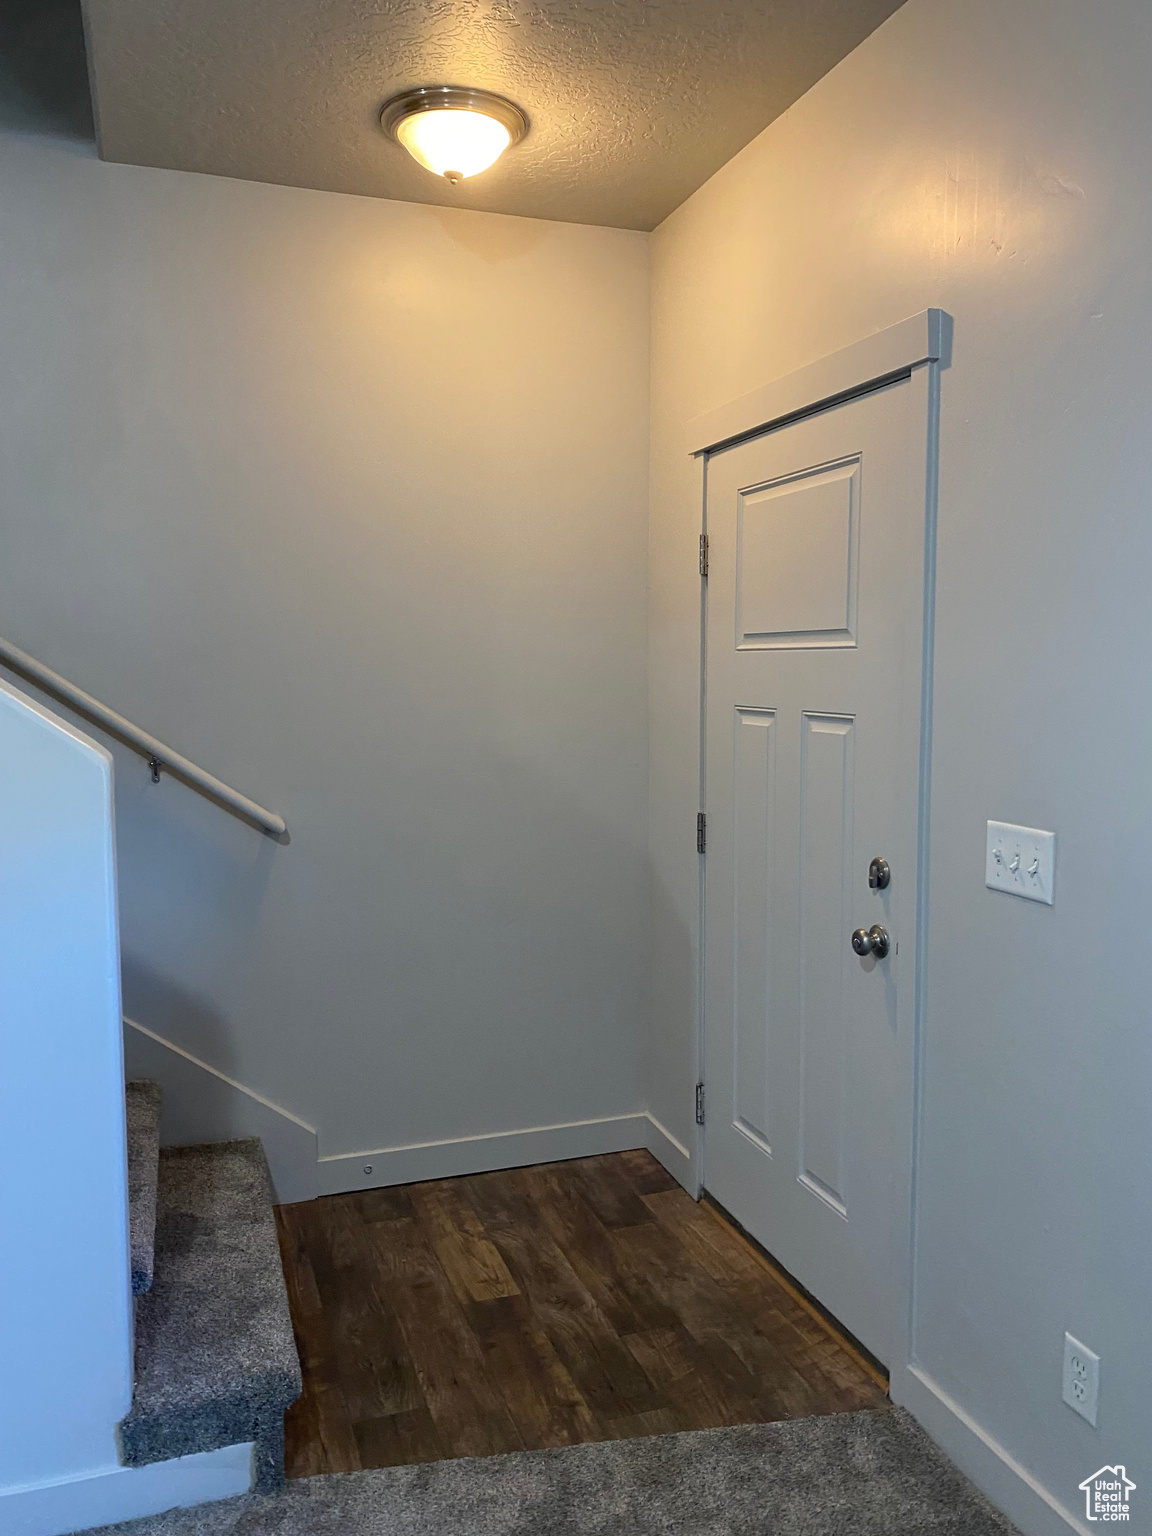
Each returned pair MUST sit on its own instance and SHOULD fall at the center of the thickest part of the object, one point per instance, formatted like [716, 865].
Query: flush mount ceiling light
[452, 132]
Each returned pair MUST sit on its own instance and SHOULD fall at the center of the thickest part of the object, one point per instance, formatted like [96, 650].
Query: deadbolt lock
[871, 941]
[879, 874]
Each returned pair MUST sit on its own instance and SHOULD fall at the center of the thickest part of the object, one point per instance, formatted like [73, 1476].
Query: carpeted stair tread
[216, 1361]
[142, 1105]
[849, 1474]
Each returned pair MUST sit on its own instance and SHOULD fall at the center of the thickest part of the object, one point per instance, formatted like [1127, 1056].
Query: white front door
[815, 622]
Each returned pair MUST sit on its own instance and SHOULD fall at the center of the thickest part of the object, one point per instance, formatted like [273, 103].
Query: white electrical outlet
[1021, 861]
[1081, 1378]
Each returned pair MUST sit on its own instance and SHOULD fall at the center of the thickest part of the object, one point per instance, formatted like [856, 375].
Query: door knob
[871, 941]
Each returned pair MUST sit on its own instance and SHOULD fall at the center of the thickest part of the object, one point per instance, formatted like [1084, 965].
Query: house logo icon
[1106, 1494]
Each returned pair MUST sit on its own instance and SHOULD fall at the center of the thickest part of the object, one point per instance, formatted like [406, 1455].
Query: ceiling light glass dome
[452, 132]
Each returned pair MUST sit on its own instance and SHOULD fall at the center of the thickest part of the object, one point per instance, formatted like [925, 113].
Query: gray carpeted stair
[142, 1103]
[216, 1361]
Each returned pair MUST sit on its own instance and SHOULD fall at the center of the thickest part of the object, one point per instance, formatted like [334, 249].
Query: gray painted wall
[990, 157]
[347, 500]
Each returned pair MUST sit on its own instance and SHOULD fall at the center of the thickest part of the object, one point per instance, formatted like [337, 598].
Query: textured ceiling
[632, 103]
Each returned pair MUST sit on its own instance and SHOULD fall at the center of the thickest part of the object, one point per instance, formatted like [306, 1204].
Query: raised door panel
[826, 783]
[796, 560]
[754, 836]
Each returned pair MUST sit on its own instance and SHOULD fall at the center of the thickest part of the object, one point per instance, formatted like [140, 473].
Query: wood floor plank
[831, 1373]
[577, 1231]
[475, 1268]
[468, 1410]
[607, 1375]
[701, 1397]
[540, 1394]
[471, 1262]
[309, 1321]
[658, 1421]
[305, 1454]
[540, 1307]
[806, 1312]
[318, 1435]
[720, 1253]
[391, 1204]
[374, 1362]
[608, 1191]
[644, 1173]
[337, 1438]
[444, 1210]
[710, 1316]
[400, 1439]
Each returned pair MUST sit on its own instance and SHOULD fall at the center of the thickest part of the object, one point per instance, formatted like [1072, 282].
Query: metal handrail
[159, 756]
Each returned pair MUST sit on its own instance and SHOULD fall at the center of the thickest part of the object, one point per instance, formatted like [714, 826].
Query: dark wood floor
[576, 1301]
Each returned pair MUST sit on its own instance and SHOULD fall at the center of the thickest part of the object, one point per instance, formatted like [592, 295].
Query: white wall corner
[672, 1155]
[201, 1104]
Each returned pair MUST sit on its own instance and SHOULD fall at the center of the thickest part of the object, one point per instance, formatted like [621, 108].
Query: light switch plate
[1021, 861]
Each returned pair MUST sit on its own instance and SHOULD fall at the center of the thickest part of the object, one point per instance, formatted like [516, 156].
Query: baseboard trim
[202, 1103]
[480, 1154]
[998, 1475]
[670, 1153]
[126, 1493]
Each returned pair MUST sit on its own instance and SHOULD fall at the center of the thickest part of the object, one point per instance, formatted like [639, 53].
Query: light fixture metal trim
[453, 98]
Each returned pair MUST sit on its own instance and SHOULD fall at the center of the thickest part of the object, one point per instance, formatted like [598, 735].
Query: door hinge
[703, 554]
[701, 832]
[699, 1103]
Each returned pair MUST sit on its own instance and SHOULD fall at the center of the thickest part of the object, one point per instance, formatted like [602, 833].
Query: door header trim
[878, 359]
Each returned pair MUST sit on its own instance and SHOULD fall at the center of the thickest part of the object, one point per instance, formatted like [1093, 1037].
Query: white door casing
[818, 646]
